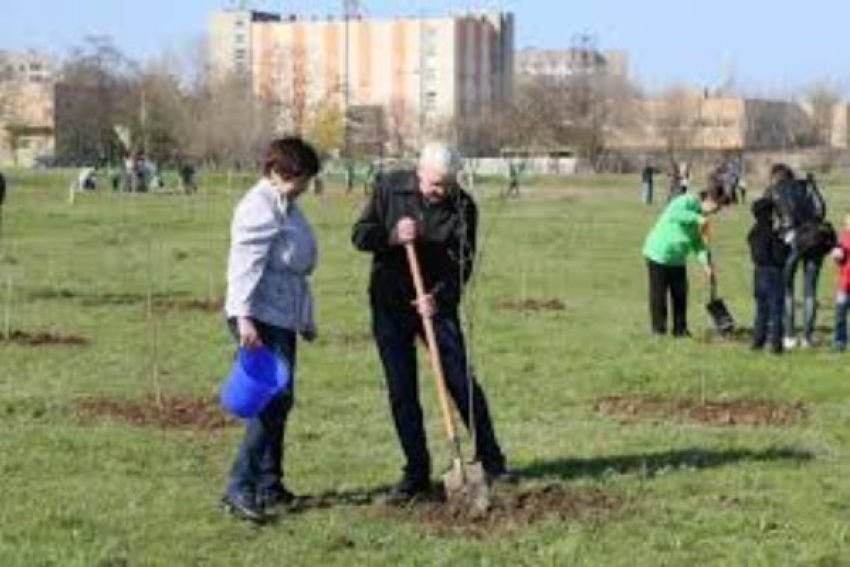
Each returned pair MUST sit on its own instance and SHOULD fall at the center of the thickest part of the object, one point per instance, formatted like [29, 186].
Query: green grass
[98, 492]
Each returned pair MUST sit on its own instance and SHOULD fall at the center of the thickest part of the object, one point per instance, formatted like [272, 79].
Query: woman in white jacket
[272, 254]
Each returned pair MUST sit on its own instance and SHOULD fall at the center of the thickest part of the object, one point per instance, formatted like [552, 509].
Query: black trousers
[395, 334]
[664, 281]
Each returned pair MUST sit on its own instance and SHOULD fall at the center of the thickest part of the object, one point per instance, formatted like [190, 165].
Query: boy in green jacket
[681, 230]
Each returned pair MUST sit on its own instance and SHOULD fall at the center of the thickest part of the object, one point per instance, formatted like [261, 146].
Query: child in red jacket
[841, 254]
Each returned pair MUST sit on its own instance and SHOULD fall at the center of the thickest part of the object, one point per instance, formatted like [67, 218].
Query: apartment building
[418, 75]
[26, 107]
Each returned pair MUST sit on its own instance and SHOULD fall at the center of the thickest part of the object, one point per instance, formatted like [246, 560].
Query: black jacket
[797, 202]
[767, 249]
[445, 245]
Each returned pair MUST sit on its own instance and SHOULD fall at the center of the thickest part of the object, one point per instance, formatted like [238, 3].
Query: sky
[767, 46]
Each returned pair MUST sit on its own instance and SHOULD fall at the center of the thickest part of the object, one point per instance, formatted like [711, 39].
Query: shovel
[719, 313]
[465, 482]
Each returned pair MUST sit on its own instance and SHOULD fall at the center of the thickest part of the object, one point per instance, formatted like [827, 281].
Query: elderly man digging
[426, 207]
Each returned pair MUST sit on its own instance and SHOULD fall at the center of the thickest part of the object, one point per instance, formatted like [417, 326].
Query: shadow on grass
[335, 498]
[647, 465]
[650, 464]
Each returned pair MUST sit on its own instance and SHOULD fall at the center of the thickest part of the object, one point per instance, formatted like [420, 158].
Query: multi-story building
[562, 64]
[691, 120]
[26, 107]
[418, 75]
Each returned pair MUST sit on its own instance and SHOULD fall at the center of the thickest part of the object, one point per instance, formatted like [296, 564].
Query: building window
[429, 40]
[430, 101]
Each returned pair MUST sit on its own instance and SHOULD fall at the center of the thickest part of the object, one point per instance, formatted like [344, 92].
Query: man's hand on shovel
[426, 306]
[405, 231]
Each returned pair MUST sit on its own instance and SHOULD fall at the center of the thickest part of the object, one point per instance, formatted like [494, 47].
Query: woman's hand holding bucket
[248, 335]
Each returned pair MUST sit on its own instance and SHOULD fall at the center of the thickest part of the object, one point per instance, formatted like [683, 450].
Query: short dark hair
[762, 208]
[291, 158]
[717, 193]
[780, 172]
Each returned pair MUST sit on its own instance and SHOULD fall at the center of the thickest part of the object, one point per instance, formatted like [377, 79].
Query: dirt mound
[733, 412]
[511, 510]
[532, 305]
[42, 339]
[174, 301]
[171, 413]
[204, 305]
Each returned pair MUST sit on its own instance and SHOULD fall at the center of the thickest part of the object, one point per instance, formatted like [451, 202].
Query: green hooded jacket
[677, 233]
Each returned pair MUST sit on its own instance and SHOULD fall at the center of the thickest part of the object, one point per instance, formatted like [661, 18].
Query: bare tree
[822, 99]
[161, 125]
[677, 120]
[230, 124]
[94, 93]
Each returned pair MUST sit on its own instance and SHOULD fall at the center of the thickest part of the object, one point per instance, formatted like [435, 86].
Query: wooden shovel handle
[431, 343]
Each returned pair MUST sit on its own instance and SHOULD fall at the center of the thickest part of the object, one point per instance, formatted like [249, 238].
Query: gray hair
[440, 156]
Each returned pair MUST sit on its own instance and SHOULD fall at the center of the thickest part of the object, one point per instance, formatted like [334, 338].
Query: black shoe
[243, 508]
[686, 334]
[409, 489]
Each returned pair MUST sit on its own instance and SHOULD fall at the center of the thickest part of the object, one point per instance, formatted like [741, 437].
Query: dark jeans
[257, 471]
[811, 272]
[842, 307]
[769, 292]
[395, 333]
[664, 280]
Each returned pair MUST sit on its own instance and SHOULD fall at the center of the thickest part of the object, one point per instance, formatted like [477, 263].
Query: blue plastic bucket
[255, 378]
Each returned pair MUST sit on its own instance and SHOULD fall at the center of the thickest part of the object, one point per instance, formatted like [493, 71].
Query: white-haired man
[428, 207]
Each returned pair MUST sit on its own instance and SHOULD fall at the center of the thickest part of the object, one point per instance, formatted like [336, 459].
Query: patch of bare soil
[735, 336]
[726, 413]
[533, 305]
[512, 509]
[42, 339]
[204, 305]
[170, 413]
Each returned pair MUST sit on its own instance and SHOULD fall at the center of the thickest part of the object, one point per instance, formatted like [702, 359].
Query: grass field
[122, 272]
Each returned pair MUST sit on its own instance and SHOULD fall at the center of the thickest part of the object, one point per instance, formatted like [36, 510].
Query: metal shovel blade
[720, 316]
[466, 484]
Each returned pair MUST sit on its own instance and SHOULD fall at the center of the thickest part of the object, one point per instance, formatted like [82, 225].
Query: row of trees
[107, 105]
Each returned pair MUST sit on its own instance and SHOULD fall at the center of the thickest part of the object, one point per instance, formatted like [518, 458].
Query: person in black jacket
[769, 254]
[428, 207]
[797, 204]
[2, 198]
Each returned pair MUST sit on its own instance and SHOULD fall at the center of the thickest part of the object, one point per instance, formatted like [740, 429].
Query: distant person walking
[514, 171]
[681, 230]
[188, 177]
[647, 179]
[675, 188]
[348, 172]
[2, 198]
